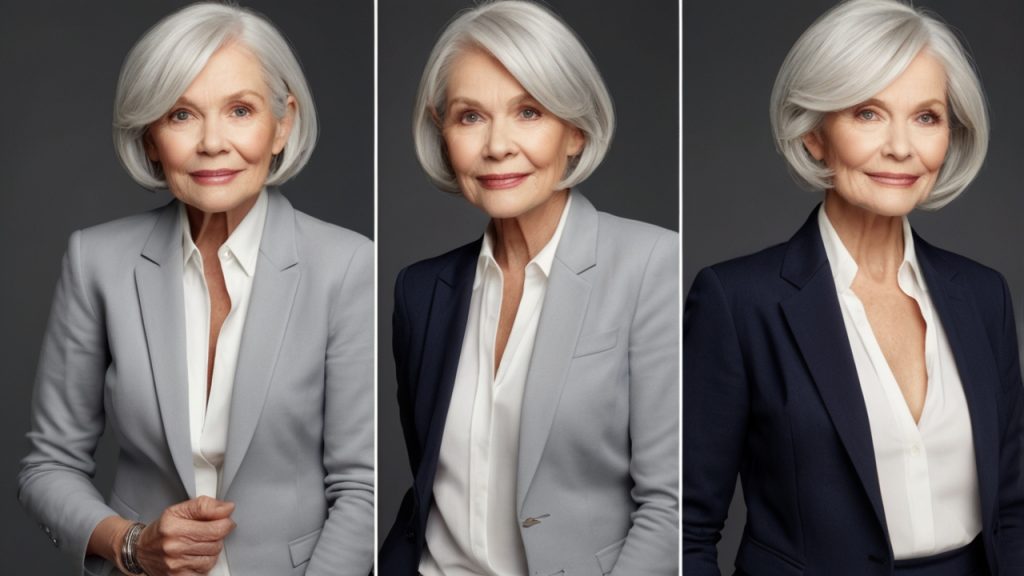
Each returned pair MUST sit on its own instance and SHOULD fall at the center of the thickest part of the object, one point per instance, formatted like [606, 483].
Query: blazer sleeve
[345, 546]
[715, 412]
[651, 546]
[1010, 525]
[55, 482]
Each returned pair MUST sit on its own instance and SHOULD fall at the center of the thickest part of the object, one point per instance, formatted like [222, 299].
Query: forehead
[923, 79]
[231, 69]
[477, 74]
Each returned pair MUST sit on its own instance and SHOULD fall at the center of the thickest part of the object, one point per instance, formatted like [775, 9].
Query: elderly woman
[864, 384]
[537, 366]
[226, 337]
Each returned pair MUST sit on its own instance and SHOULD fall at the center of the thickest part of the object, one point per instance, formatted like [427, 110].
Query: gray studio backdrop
[58, 173]
[636, 49]
[738, 196]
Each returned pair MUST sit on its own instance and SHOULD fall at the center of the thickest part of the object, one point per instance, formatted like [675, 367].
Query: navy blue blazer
[770, 392]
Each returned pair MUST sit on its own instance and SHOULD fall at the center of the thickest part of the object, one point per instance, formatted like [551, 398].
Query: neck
[874, 241]
[518, 240]
[212, 229]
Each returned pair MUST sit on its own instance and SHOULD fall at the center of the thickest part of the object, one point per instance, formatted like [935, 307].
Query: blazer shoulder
[957, 265]
[319, 237]
[750, 273]
[429, 268]
[126, 234]
[616, 229]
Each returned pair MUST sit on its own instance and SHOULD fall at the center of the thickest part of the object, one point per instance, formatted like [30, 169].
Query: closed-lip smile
[897, 179]
[217, 176]
[501, 181]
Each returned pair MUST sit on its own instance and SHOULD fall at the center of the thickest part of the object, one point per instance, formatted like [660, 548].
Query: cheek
[852, 150]
[256, 144]
[933, 152]
[461, 152]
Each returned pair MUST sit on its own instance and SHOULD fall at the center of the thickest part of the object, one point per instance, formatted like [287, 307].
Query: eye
[240, 112]
[469, 118]
[179, 116]
[929, 118]
[867, 114]
[529, 113]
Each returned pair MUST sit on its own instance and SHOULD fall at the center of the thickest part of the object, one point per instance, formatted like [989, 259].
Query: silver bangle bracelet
[128, 549]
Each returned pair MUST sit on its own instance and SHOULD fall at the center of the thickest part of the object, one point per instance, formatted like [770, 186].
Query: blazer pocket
[122, 508]
[595, 343]
[757, 558]
[302, 547]
[609, 555]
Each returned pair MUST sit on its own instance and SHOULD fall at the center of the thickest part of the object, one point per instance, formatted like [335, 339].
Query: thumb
[205, 508]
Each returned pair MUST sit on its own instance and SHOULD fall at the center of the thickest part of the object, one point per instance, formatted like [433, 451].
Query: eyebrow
[515, 101]
[931, 102]
[236, 96]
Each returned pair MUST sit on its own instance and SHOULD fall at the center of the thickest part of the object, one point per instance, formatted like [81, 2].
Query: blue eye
[179, 115]
[867, 114]
[530, 113]
[240, 112]
[470, 118]
[928, 118]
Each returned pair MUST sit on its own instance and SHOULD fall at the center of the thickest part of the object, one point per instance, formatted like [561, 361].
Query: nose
[500, 140]
[212, 139]
[897, 145]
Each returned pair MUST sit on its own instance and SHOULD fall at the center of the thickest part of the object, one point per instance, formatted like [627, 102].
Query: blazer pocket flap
[593, 343]
[757, 558]
[609, 555]
[302, 547]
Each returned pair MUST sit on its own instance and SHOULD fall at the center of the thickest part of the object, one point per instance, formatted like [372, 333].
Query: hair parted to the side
[854, 51]
[171, 54]
[543, 54]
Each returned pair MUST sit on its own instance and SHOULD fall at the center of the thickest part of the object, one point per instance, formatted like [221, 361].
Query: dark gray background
[738, 195]
[635, 48]
[58, 173]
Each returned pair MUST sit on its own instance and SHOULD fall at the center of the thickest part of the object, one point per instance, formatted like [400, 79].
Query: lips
[212, 177]
[501, 181]
[897, 179]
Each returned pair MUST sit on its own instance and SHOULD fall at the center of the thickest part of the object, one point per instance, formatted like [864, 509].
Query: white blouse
[926, 470]
[473, 528]
[208, 417]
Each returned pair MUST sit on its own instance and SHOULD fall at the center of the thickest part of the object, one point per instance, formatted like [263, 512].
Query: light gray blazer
[598, 465]
[299, 459]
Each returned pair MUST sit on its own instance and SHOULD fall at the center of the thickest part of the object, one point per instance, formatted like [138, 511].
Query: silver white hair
[165, 61]
[544, 55]
[854, 51]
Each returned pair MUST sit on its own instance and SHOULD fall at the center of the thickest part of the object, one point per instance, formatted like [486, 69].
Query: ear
[576, 142]
[814, 142]
[285, 124]
[151, 150]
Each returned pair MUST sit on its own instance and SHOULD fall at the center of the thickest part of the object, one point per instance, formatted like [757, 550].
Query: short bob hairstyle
[853, 52]
[165, 61]
[544, 55]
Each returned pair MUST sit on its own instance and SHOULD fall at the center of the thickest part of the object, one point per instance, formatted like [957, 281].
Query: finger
[201, 564]
[203, 508]
[206, 531]
[201, 548]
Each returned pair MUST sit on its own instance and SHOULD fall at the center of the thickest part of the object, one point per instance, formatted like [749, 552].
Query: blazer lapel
[815, 319]
[446, 326]
[561, 318]
[273, 292]
[158, 280]
[970, 344]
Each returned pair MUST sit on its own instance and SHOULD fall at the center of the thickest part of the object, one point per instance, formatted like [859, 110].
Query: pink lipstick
[213, 177]
[895, 179]
[501, 181]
